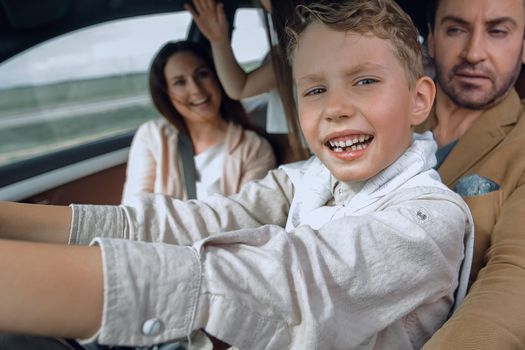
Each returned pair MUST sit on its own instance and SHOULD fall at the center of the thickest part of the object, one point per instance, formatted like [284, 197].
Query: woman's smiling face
[193, 88]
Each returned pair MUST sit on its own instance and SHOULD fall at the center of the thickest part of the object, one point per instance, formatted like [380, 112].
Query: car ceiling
[24, 23]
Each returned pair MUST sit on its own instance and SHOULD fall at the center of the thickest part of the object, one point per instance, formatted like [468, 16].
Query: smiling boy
[359, 246]
[353, 89]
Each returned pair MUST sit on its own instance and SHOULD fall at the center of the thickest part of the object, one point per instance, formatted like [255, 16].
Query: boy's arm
[158, 218]
[46, 287]
[267, 288]
[50, 289]
[255, 288]
[155, 218]
[34, 222]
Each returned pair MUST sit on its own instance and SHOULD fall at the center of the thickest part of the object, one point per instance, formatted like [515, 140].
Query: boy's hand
[211, 20]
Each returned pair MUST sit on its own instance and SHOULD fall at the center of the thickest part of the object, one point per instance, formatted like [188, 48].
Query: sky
[119, 47]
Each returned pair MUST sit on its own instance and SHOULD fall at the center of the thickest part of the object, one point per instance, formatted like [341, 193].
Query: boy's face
[355, 106]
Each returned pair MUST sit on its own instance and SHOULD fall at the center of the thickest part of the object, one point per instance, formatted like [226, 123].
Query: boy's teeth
[354, 143]
[338, 146]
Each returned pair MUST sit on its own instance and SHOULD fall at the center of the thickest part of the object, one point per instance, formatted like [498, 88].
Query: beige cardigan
[154, 163]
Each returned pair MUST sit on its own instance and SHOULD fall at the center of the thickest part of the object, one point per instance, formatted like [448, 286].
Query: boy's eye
[315, 91]
[366, 81]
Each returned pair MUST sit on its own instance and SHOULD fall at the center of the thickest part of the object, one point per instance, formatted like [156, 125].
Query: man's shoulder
[497, 164]
[514, 129]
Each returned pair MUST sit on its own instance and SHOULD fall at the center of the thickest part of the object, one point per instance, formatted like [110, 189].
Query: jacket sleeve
[492, 316]
[140, 172]
[160, 218]
[266, 288]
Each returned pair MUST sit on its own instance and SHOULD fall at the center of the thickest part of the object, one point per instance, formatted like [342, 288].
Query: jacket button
[421, 215]
[152, 326]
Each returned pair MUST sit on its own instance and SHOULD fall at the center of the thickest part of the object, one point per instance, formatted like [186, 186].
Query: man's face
[354, 102]
[478, 49]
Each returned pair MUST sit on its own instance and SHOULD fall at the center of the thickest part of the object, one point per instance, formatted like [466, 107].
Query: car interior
[90, 169]
[73, 88]
[65, 136]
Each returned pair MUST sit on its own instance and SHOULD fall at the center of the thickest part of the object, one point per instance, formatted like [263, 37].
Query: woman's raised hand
[211, 20]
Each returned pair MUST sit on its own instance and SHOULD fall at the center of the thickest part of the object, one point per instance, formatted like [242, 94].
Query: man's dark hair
[431, 9]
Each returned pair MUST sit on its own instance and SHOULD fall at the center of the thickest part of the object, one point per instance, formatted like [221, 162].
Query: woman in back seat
[204, 144]
[273, 76]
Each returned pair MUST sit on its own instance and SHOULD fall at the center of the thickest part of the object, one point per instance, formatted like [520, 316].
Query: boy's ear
[424, 91]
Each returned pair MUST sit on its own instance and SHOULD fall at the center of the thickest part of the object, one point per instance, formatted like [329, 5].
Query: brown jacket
[493, 313]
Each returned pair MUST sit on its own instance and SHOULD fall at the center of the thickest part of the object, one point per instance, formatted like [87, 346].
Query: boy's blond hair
[382, 18]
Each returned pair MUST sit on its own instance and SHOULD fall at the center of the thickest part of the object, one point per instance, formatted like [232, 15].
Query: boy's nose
[338, 106]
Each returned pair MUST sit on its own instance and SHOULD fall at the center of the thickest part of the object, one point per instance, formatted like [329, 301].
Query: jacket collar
[313, 184]
[483, 135]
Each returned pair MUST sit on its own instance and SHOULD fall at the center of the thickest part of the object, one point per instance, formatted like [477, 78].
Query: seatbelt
[188, 164]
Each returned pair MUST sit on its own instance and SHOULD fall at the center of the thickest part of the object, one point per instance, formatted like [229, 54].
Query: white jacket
[379, 275]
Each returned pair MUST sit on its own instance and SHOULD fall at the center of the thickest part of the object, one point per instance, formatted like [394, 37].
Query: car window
[249, 40]
[81, 87]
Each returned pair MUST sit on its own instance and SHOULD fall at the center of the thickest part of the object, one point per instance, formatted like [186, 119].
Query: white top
[208, 165]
